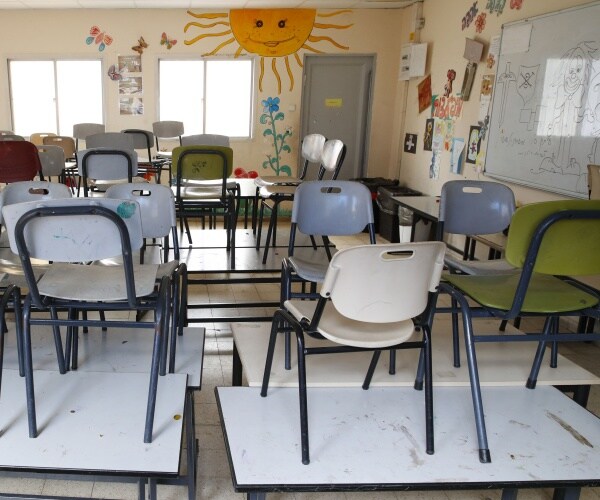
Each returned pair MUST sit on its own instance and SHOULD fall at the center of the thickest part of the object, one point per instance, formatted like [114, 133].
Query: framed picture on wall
[473, 144]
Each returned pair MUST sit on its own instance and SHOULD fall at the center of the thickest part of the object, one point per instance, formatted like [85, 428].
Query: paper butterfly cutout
[99, 37]
[165, 40]
[114, 74]
[139, 48]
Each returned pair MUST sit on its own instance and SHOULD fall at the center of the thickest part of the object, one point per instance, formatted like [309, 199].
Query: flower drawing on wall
[278, 34]
[271, 115]
[99, 37]
[480, 22]
[516, 4]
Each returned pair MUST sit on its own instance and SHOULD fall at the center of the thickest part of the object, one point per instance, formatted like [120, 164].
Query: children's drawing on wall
[428, 135]
[439, 133]
[277, 140]
[167, 41]
[473, 144]
[516, 4]
[485, 96]
[496, 6]
[434, 166]
[480, 22]
[448, 134]
[98, 37]
[410, 143]
[424, 92]
[140, 46]
[456, 155]
[278, 34]
[131, 105]
[451, 76]
[469, 17]
[130, 64]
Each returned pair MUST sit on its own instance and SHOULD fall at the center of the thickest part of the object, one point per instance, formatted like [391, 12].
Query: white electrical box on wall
[412, 60]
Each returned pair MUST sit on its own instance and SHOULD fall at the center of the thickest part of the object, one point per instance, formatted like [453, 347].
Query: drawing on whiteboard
[505, 79]
[526, 82]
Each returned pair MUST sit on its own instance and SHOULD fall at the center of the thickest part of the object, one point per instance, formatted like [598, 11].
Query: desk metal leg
[256, 496]
[236, 378]
[571, 493]
[510, 493]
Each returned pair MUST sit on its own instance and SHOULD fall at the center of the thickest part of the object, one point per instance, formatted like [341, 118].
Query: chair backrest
[594, 181]
[203, 163]
[384, 283]
[205, 140]
[24, 191]
[569, 247]
[52, 159]
[107, 164]
[142, 139]
[6, 132]
[11, 137]
[332, 208]
[38, 137]
[475, 207]
[72, 230]
[82, 130]
[157, 206]
[19, 161]
[167, 130]
[65, 142]
[332, 158]
[311, 151]
[113, 140]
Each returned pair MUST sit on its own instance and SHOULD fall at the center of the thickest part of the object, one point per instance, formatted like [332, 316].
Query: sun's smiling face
[272, 33]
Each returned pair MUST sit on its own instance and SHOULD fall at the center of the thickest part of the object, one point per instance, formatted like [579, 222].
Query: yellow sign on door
[333, 103]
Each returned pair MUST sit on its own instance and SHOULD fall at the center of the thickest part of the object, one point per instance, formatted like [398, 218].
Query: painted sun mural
[269, 33]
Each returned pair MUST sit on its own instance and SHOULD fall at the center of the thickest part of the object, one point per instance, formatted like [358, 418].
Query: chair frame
[103, 152]
[550, 332]
[144, 139]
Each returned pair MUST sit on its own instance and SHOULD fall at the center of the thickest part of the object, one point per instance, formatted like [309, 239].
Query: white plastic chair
[373, 298]
[67, 234]
[205, 140]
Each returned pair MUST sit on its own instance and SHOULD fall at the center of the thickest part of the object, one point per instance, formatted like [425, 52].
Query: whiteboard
[545, 119]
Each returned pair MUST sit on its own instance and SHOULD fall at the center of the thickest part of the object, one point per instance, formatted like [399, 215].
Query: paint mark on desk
[569, 429]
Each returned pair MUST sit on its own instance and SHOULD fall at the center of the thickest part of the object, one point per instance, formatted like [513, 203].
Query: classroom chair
[99, 168]
[82, 130]
[205, 140]
[38, 137]
[52, 159]
[19, 161]
[143, 140]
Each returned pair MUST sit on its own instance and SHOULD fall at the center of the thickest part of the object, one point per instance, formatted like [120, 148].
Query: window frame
[204, 61]
[54, 60]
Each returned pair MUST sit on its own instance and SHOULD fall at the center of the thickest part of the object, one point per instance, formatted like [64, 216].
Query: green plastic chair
[202, 187]
[548, 242]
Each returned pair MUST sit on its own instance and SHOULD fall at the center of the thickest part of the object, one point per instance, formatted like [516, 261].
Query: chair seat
[199, 192]
[279, 180]
[309, 270]
[545, 295]
[102, 186]
[277, 190]
[166, 269]
[487, 267]
[342, 330]
[95, 282]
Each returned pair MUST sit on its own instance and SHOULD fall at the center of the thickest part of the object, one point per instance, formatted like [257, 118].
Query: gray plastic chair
[474, 208]
[113, 140]
[143, 140]
[100, 168]
[53, 161]
[82, 130]
[11, 137]
[205, 140]
[167, 130]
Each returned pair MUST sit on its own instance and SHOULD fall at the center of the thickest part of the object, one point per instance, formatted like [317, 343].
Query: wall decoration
[496, 6]
[447, 107]
[483, 126]
[434, 166]
[168, 42]
[270, 116]
[130, 64]
[516, 4]
[141, 45]
[485, 96]
[98, 37]
[131, 106]
[424, 89]
[439, 132]
[456, 155]
[114, 74]
[410, 143]
[469, 17]
[451, 75]
[268, 33]
[448, 134]
[480, 22]
[131, 86]
[428, 135]
[473, 144]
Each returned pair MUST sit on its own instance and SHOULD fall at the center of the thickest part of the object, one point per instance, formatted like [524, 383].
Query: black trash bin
[389, 213]
[374, 183]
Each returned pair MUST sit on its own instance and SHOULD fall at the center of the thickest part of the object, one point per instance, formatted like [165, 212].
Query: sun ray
[262, 73]
[336, 13]
[298, 60]
[276, 73]
[208, 15]
[312, 49]
[326, 39]
[219, 47]
[333, 26]
[207, 35]
[239, 50]
[289, 72]
[200, 25]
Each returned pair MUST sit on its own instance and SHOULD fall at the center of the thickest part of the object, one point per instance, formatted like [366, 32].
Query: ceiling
[204, 4]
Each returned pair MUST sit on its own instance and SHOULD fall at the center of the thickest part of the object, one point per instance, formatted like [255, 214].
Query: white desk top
[500, 364]
[377, 437]
[92, 422]
[118, 350]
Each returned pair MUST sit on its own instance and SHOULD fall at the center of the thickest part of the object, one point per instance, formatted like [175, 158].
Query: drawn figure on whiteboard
[570, 82]
[505, 79]
[526, 81]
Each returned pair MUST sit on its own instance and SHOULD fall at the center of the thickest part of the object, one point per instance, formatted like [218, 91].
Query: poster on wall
[473, 145]
[131, 106]
[130, 64]
[131, 86]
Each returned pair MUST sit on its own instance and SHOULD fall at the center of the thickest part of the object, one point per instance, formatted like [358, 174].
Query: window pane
[32, 96]
[180, 94]
[79, 93]
[228, 97]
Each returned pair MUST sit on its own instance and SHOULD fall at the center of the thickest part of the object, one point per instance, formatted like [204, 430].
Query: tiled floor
[213, 469]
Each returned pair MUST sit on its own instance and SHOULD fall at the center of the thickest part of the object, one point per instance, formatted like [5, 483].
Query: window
[52, 95]
[209, 97]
